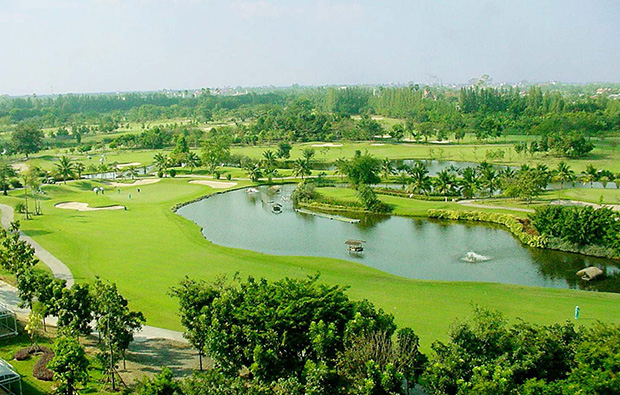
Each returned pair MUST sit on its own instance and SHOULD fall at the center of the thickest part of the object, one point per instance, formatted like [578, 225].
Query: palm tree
[35, 183]
[488, 177]
[342, 166]
[590, 175]
[192, 160]
[469, 182]
[301, 168]
[564, 174]
[132, 171]
[254, 170]
[420, 181]
[402, 178]
[543, 175]
[445, 182]
[65, 168]
[162, 162]
[387, 169]
[79, 169]
[103, 168]
[269, 159]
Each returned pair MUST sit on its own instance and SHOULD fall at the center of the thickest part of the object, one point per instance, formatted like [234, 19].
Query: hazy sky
[121, 45]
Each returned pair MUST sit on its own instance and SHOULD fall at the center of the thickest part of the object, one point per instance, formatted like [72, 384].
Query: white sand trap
[145, 181]
[440, 142]
[327, 145]
[84, 207]
[123, 165]
[214, 184]
[377, 144]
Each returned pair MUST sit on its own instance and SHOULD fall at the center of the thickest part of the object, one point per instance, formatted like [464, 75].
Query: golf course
[148, 248]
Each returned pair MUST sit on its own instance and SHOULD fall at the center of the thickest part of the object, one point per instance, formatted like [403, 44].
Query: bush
[216, 175]
[40, 370]
[172, 173]
[15, 183]
[22, 354]
[303, 193]
[20, 207]
[160, 174]
[228, 176]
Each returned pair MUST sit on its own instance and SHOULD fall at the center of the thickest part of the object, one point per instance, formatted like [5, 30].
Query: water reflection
[413, 248]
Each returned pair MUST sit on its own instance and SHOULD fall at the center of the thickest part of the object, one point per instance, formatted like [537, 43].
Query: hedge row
[520, 228]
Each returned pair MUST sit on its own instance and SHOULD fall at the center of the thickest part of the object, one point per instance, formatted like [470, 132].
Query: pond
[412, 248]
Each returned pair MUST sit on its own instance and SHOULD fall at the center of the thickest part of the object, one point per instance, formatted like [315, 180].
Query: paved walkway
[8, 294]
[470, 203]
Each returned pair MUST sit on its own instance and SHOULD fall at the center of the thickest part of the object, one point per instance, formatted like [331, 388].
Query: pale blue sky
[122, 45]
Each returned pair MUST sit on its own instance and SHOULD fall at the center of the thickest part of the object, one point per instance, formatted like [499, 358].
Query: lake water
[412, 248]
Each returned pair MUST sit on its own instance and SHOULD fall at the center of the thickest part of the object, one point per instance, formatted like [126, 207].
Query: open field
[604, 156]
[408, 207]
[147, 249]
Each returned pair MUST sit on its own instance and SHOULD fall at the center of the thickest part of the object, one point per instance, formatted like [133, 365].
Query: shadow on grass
[37, 232]
[152, 354]
[84, 185]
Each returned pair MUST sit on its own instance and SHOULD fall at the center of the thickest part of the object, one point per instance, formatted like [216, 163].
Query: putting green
[148, 248]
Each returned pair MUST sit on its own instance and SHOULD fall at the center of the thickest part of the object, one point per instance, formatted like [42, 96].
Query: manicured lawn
[602, 157]
[408, 207]
[147, 249]
[609, 195]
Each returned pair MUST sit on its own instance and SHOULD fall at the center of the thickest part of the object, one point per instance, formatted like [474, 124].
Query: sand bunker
[84, 207]
[20, 166]
[327, 145]
[144, 181]
[214, 184]
[377, 144]
[123, 165]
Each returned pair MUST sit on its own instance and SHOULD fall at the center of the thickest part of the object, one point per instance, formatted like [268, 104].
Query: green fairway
[148, 248]
[604, 156]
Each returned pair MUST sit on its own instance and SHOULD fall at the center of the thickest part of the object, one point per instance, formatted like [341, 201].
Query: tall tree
[301, 168]
[6, 172]
[420, 181]
[27, 138]
[194, 296]
[70, 365]
[215, 151]
[65, 168]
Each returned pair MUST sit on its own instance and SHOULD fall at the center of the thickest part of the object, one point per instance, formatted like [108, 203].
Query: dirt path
[60, 270]
[470, 203]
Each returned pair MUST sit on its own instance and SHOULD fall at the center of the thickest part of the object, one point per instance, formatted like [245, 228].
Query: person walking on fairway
[576, 312]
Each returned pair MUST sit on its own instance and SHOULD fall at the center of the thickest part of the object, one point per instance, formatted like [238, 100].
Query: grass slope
[147, 249]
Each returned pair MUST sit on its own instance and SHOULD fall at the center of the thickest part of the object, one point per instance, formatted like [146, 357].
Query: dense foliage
[485, 355]
[302, 332]
[582, 226]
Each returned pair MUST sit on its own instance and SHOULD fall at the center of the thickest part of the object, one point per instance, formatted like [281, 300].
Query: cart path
[470, 203]
[9, 295]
